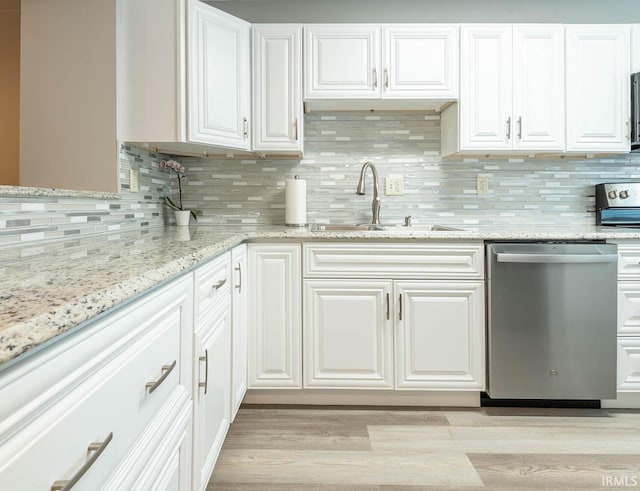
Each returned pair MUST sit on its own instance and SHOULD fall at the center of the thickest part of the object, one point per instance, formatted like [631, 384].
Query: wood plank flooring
[355, 449]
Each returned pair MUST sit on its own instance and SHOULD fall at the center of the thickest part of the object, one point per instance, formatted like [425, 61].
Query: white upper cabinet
[538, 87]
[512, 90]
[342, 61]
[363, 61]
[183, 77]
[485, 88]
[277, 88]
[219, 86]
[420, 61]
[598, 78]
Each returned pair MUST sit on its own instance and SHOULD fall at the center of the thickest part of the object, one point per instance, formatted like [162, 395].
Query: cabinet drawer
[430, 260]
[629, 364]
[113, 394]
[212, 285]
[629, 261]
[629, 308]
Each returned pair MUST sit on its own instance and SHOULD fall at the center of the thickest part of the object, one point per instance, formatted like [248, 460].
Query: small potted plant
[182, 215]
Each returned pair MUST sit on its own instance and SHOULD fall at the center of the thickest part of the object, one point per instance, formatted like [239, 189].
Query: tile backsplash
[552, 191]
[26, 219]
[249, 190]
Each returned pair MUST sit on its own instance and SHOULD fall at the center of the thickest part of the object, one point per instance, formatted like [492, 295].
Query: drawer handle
[166, 369]
[400, 309]
[218, 285]
[205, 358]
[239, 285]
[97, 448]
[387, 306]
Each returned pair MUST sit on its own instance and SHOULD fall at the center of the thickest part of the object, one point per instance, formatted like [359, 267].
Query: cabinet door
[598, 88]
[628, 364]
[275, 318]
[348, 334]
[538, 87]
[218, 57]
[211, 393]
[277, 87]
[420, 61]
[239, 328]
[440, 335]
[485, 87]
[342, 61]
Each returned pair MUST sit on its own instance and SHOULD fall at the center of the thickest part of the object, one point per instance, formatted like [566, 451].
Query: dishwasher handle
[503, 257]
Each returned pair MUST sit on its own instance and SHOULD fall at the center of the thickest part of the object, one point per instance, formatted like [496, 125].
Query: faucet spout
[375, 204]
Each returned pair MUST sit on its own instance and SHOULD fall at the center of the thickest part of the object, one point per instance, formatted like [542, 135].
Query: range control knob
[612, 195]
[624, 194]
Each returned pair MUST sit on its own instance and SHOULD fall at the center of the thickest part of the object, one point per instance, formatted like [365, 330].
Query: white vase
[182, 217]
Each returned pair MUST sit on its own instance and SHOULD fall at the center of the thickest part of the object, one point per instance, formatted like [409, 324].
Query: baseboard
[363, 398]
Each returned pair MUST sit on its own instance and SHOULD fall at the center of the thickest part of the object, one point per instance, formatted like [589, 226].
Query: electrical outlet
[133, 181]
[394, 185]
[482, 184]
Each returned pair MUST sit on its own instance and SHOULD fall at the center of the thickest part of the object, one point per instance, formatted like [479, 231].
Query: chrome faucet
[375, 204]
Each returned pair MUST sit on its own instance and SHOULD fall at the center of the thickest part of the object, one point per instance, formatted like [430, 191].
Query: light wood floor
[334, 449]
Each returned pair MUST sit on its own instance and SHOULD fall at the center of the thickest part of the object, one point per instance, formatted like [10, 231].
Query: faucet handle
[407, 221]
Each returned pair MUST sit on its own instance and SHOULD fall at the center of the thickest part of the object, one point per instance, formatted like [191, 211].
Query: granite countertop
[54, 288]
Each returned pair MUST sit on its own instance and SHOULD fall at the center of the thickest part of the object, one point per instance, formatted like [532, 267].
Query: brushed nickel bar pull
[218, 285]
[166, 370]
[205, 358]
[295, 126]
[509, 128]
[386, 78]
[519, 127]
[245, 127]
[375, 77]
[388, 307]
[239, 285]
[400, 310]
[97, 448]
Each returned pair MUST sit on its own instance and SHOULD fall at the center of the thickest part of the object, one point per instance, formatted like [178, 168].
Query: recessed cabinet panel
[485, 87]
[341, 61]
[420, 61]
[348, 335]
[277, 87]
[538, 87]
[275, 323]
[628, 308]
[598, 88]
[628, 364]
[440, 335]
[219, 77]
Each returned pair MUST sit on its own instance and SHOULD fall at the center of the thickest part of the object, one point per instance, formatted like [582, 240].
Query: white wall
[561, 11]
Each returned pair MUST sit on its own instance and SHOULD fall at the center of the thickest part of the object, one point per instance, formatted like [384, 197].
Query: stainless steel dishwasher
[552, 320]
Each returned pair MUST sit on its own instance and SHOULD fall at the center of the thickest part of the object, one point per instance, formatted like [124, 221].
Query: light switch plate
[394, 185]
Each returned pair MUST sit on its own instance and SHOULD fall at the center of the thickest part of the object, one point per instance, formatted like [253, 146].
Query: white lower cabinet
[212, 367]
[239, 302]
[275, 316]
[629, 364]
[101, 405]
[440, 338]
[348, 333]
[390, 333]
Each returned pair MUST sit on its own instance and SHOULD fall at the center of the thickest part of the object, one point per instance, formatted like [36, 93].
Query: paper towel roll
[295, 198]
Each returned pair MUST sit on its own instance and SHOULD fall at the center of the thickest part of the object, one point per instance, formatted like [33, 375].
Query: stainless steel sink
[363, 227]
[367, 227]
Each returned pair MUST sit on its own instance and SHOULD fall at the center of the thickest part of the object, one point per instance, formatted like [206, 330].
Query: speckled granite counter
[51, 289]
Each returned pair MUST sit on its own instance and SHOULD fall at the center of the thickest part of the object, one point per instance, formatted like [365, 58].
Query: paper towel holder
[296, 225]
